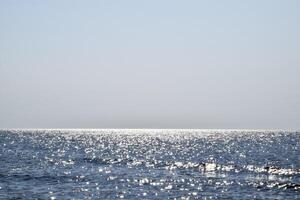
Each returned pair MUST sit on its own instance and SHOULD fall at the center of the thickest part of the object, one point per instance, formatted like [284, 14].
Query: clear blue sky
[150, 64]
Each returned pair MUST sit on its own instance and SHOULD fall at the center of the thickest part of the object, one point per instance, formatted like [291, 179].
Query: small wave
[278, 185]
[201, 167]
[272, 170]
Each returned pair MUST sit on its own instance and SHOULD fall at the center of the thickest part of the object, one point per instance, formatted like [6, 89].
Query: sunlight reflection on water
[151, 164]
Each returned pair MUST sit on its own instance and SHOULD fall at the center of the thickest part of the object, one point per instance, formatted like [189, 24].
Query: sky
[150, 64]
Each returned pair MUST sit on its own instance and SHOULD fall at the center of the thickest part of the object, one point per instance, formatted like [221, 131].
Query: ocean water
[149, 164]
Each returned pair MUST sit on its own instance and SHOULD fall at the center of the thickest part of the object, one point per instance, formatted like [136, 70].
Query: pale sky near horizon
[150, 64]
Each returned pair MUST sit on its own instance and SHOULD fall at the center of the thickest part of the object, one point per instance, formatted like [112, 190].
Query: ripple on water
[151, 164]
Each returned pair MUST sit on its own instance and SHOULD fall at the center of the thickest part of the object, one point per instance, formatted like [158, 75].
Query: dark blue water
[149, 164]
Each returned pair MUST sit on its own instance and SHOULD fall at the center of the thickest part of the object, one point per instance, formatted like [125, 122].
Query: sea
[149, 164]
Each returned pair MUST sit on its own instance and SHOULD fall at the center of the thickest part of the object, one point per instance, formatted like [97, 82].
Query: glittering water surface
[149, 164]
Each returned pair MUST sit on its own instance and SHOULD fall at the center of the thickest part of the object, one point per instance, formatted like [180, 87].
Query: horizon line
[203, 129]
